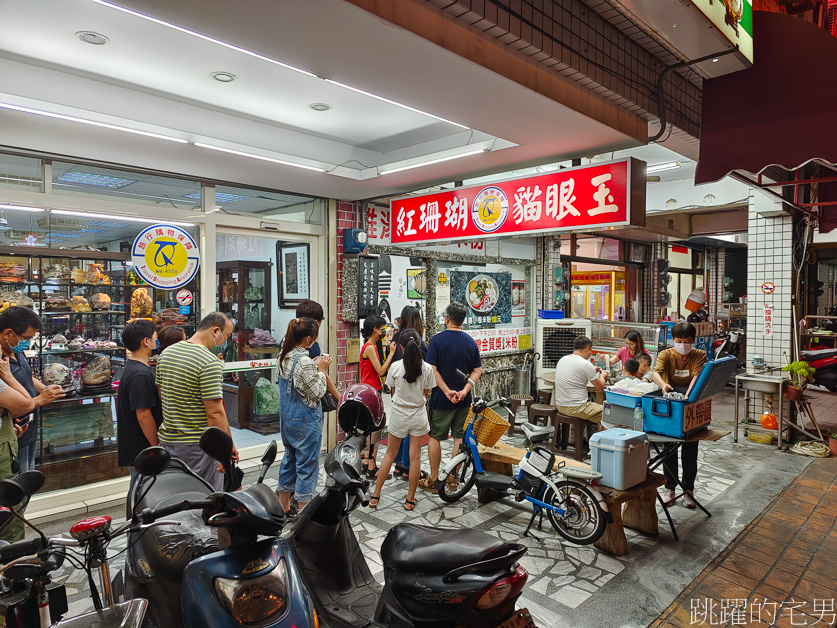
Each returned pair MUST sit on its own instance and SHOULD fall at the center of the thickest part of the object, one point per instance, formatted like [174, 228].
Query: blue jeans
[403, 457]
[302, 434]
[26, 457]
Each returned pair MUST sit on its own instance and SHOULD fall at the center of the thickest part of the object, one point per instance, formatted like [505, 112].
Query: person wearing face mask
[302, 383]
[190, 379]
[138, 410]
[18, 326]
[677, 370]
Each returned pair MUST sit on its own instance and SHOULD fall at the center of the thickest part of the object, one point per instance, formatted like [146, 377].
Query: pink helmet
[361, 409]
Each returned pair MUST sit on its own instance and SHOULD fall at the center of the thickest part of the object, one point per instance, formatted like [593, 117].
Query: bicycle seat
[414, 548]
[536, 433]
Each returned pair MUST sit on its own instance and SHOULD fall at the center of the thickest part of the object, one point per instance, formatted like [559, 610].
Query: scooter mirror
[31, 482]
[270, 454]
[11, 493]
[152, 461]
[217, 444]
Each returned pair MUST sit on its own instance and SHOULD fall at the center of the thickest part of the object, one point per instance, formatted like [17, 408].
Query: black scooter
[433, 577]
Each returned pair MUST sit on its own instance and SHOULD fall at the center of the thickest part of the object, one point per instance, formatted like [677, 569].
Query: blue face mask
[21, 346]
[218, 349]
[158, 343]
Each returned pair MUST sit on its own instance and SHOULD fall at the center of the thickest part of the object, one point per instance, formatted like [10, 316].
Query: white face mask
[683, 347]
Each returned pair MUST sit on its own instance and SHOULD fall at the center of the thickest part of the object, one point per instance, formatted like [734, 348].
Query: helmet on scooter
[361, 410]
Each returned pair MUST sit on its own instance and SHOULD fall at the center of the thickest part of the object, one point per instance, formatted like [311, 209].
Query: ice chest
[681, 418]
[622, 399]
[618, 415]
[621, 456]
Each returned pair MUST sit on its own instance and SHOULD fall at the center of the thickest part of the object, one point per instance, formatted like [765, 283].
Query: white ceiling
[154, 78]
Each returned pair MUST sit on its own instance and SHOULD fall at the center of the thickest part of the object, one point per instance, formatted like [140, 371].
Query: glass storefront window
[21, 173]
[276, 205]
[132, 187]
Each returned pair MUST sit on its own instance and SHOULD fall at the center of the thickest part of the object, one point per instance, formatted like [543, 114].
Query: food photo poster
[488, 296]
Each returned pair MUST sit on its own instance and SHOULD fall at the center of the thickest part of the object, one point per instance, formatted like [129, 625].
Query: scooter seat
[420, 549]
[537, 433]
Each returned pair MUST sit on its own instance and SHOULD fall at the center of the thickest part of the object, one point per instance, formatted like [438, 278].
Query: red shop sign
[601, 195]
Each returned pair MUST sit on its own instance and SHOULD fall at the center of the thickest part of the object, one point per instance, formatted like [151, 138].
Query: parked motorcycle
[315, 572]
[29, 598]
[825, 361]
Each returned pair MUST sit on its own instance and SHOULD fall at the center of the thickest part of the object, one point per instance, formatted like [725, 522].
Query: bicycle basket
[489, 427]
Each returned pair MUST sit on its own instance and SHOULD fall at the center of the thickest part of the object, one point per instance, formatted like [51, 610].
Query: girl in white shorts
[410, 381]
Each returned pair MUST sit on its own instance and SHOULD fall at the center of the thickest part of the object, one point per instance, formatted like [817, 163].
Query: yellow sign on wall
[165, 256]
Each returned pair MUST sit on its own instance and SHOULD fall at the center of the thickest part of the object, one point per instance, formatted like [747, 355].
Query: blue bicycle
[574, 507]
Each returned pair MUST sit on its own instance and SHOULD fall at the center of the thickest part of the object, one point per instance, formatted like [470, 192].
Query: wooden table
[594, 393]
[640, 513]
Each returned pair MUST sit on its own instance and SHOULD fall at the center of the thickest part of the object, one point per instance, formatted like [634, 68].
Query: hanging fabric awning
[781, 112]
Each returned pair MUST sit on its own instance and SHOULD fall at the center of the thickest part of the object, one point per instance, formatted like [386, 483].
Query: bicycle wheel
[584, 521]
[466, 474]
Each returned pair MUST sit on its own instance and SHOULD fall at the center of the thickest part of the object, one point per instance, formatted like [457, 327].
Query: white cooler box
[621, 456]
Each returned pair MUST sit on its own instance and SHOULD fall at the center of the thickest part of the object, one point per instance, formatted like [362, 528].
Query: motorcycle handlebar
[362, 497]
[19, 549]
[149, 515]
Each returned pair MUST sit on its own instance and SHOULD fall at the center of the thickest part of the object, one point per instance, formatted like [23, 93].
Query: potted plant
[832, 444]
[800, 373]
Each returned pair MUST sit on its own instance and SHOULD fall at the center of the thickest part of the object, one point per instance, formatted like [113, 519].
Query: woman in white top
[410, 381]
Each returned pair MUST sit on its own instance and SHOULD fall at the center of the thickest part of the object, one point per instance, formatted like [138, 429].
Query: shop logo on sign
[490, 209]
[165, 256]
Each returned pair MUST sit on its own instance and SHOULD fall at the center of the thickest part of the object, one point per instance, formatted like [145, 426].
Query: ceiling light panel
[97, 180]
[282, 162]
[220, 197]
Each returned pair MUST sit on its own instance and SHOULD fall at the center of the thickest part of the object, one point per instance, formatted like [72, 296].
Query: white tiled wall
[769, 259]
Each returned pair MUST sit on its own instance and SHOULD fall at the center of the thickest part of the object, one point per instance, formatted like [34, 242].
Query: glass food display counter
[609, 336]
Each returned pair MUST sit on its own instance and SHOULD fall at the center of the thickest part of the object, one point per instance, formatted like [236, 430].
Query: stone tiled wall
[715, 263]
[769, 256]
[347, 214]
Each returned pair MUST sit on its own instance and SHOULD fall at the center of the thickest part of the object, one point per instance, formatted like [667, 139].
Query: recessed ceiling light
[320, 106]
[714, 61]
[91, 37]
[674, 25]
[223, 77]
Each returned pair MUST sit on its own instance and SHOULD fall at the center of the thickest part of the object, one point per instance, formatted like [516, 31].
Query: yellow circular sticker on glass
[165, 256]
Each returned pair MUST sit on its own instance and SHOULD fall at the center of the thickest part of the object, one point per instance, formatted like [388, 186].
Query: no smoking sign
[184, 297]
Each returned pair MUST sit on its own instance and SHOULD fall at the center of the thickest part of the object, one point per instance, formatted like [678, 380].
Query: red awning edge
[780, 112]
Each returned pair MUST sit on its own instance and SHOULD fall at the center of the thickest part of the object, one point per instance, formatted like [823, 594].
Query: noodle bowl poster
[487, 296]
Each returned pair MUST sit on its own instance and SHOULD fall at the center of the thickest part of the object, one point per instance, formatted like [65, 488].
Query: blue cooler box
[681, 418]
[621, 456]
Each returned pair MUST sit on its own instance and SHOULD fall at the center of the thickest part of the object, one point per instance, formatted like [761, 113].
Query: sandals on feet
[426, 485]
[452, 482]
[375, 499]
[409, 504]
[372, 474]
[401, 473]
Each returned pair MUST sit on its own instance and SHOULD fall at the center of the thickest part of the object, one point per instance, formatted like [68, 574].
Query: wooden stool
[515, 401]
[562, 424]
[640, 513]
[544, 412]
[544, 396]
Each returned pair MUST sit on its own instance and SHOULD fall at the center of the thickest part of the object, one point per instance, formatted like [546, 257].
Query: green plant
[800, 372]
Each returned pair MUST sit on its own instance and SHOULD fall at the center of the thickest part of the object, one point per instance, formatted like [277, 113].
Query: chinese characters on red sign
[768, 319]
[506, 339]
[566, 199]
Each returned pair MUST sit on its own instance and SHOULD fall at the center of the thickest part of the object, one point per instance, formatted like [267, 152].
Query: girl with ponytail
[410, 381]
[302, 383]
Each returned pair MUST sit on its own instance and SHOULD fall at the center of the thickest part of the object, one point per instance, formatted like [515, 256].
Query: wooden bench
[640, 501]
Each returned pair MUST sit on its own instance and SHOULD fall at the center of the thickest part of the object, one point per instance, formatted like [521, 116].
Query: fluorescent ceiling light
[68, 212]
[21, 208]
[204, 37]
[669, 165]
[104, 125]
[221, 197]
[393, 102]
[269, 60]
[98, 180]
[434, 161]
[263, 158]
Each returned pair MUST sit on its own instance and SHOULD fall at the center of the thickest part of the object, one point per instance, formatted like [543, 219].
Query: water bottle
[638, 417]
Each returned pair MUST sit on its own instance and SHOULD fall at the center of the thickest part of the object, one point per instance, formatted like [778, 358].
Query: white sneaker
[689, 499]
[667, 496]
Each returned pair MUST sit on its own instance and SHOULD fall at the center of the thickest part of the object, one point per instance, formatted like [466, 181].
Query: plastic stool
[544, 396]
[515, 401]
[543, 412]
[563, 423]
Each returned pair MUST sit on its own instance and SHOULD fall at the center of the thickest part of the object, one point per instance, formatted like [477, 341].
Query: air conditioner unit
[555, 339]
[54, 223]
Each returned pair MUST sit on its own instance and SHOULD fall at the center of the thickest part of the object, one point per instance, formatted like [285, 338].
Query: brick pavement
[780, 571]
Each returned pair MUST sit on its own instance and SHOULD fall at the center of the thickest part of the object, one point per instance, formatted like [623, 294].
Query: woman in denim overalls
[302, 383]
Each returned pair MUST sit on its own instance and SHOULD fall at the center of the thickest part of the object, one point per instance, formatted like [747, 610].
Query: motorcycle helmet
[361, 410]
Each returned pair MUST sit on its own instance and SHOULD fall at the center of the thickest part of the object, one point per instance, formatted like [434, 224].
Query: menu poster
[367, 286]
[486, 296]
[518, 293]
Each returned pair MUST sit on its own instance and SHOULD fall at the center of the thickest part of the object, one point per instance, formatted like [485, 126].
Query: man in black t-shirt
[138, 409]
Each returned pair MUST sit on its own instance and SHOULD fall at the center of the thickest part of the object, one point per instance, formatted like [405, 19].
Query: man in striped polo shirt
[190, 378]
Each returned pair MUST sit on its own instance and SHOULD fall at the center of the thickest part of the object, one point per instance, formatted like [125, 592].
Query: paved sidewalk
[780, 571]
